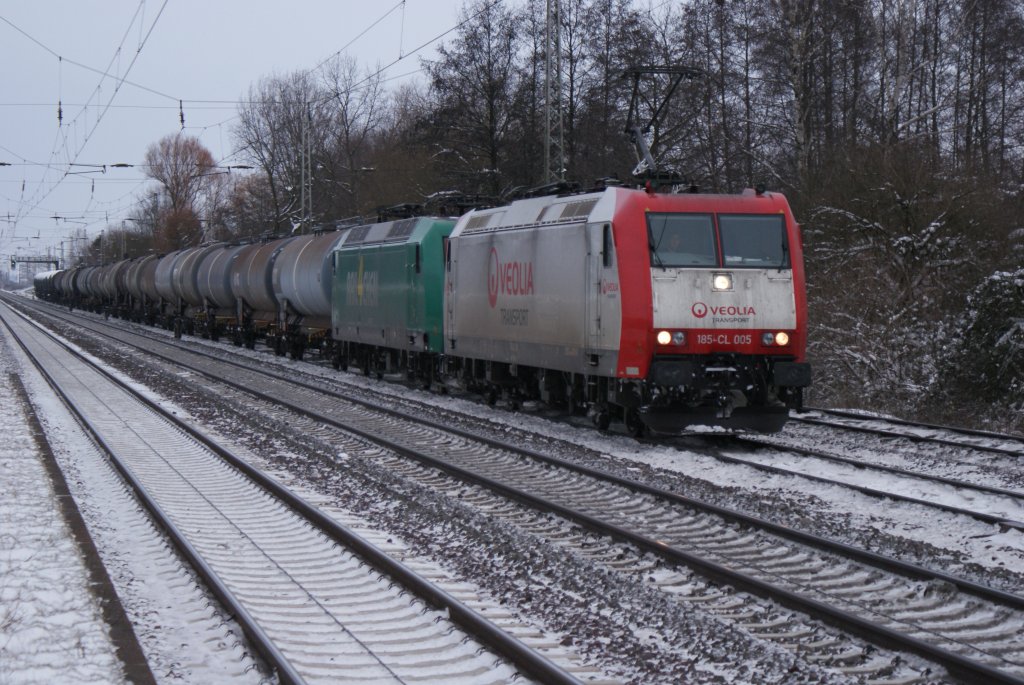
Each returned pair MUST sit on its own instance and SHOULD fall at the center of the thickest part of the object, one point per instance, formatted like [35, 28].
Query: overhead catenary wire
[77, 131]
[30, 205]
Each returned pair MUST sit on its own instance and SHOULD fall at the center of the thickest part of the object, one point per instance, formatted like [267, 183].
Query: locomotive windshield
[747, 240]
[754, 240]
[681, 240]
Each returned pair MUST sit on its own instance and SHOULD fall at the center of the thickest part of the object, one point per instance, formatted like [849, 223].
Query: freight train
[667, 312]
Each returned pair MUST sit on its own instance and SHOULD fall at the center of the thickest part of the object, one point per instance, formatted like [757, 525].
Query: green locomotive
[387, 297]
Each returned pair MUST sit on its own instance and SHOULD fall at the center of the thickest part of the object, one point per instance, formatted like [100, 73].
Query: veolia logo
[492, 277]
[508, 278]
[700, 310]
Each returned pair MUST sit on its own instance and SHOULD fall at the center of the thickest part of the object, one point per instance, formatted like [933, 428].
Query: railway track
[970, 630]
[891, 427]
[319, 602]
[999, 506]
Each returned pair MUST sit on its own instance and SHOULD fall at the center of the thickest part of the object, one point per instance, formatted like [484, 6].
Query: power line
[101, 72]
[99, 118]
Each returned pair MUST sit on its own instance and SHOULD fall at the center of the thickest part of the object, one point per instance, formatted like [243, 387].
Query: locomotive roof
[600, 206]
[549, 209]
[399, 231]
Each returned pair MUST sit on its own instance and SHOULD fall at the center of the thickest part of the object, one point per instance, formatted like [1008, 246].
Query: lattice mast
[554, 139]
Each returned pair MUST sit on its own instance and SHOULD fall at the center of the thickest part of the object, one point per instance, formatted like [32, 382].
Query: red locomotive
[669, 311]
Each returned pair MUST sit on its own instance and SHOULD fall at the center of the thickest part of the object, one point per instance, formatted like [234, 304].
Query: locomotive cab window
[754, 240]
[681, 240]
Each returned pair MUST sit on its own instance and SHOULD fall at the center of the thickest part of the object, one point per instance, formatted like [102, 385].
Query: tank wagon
[44, 284]
[213, 281]
[302, 280]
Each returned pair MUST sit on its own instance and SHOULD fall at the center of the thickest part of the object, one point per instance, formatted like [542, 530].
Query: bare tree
[355, 110]
[474, 85]
[184, 168]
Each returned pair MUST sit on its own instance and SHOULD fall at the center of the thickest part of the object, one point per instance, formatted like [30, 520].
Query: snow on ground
[167, 635]
[183, 634]
[984, 544]
[51, 626]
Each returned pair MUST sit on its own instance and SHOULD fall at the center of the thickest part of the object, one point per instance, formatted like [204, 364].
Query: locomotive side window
[754, 240]
[606, 245]
[681, 240]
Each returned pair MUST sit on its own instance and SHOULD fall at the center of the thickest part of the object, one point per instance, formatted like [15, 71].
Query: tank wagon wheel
[634, 426]
[491, 396]
[602, 418]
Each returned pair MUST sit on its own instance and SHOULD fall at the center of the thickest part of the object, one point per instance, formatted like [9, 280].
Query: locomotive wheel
[634, 426]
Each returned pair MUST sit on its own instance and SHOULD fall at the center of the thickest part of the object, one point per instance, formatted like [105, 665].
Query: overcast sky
[205, 53]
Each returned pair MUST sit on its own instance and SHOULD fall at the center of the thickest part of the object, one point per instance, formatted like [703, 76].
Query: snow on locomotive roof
[384, 232]
[535, 211]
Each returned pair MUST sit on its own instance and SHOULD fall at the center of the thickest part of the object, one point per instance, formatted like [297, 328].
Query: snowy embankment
[51, 625]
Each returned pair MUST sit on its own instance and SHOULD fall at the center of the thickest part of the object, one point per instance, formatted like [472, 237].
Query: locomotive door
[414, 301]
[602, 286]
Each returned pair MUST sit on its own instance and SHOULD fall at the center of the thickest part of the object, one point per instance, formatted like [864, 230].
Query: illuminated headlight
[664, 337]
[679, 337]
[782, 338]
[767, 338]
[721, 282]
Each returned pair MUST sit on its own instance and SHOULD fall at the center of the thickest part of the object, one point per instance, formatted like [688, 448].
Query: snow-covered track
[976, 636]
[891, 427]
[1003, 500]
[309, 593]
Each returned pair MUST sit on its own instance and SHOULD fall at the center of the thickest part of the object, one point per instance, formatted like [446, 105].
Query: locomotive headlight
[767, 338]
[664, 337]
[721, 282]
[782, 338]
[679, 337]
